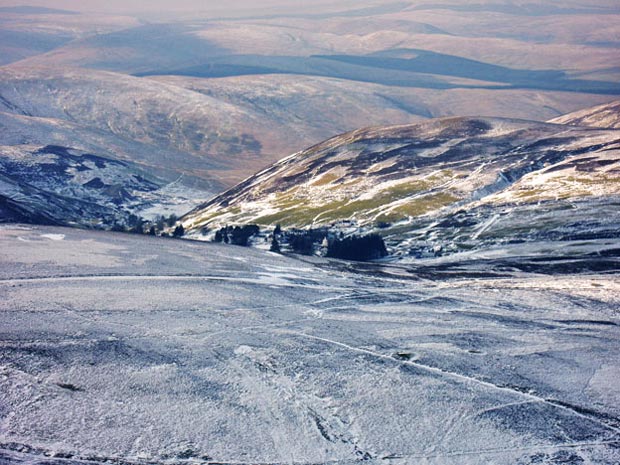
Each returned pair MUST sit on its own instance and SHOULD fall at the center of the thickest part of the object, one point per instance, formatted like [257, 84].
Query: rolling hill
[210, 133]
[486, 57]
[179, 132]
[212, 98]
[446, 185]
[27, 31]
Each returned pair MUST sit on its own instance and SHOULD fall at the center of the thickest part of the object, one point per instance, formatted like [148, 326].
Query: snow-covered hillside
[174, 131]
[141, 350]
[410, 183]
[212, 132]
[60, 185]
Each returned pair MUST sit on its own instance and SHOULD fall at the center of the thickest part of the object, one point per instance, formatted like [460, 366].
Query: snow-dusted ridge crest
[606, 115]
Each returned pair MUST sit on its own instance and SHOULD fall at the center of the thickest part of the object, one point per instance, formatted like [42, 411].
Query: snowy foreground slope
[134, 350]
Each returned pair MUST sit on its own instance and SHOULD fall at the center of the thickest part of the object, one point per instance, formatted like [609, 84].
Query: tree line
[299, 241]
[309, 242]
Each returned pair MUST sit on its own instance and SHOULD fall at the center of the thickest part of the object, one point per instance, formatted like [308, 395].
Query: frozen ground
[134, 350]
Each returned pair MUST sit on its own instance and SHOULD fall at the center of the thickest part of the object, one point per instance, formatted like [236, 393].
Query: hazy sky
[125, 6]
[220, 8]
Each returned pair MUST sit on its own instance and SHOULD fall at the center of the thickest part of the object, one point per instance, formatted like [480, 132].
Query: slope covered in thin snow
[60, 185]
[410, 181]
[142, 350]
[179, 132]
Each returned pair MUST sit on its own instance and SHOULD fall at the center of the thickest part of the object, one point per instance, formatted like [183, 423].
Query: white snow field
[130, 349]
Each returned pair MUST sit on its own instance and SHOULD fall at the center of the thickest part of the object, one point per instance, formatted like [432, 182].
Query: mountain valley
[216, 98]
[368, 232]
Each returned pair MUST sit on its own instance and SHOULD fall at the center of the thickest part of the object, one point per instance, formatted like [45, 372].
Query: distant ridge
[35, 10]
[601, 116]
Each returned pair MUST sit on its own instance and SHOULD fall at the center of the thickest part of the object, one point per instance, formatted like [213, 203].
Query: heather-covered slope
[394, 179]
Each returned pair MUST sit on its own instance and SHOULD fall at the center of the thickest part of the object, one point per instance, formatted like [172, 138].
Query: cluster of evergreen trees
[236, 235]
[360, 248]
[134, 224]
